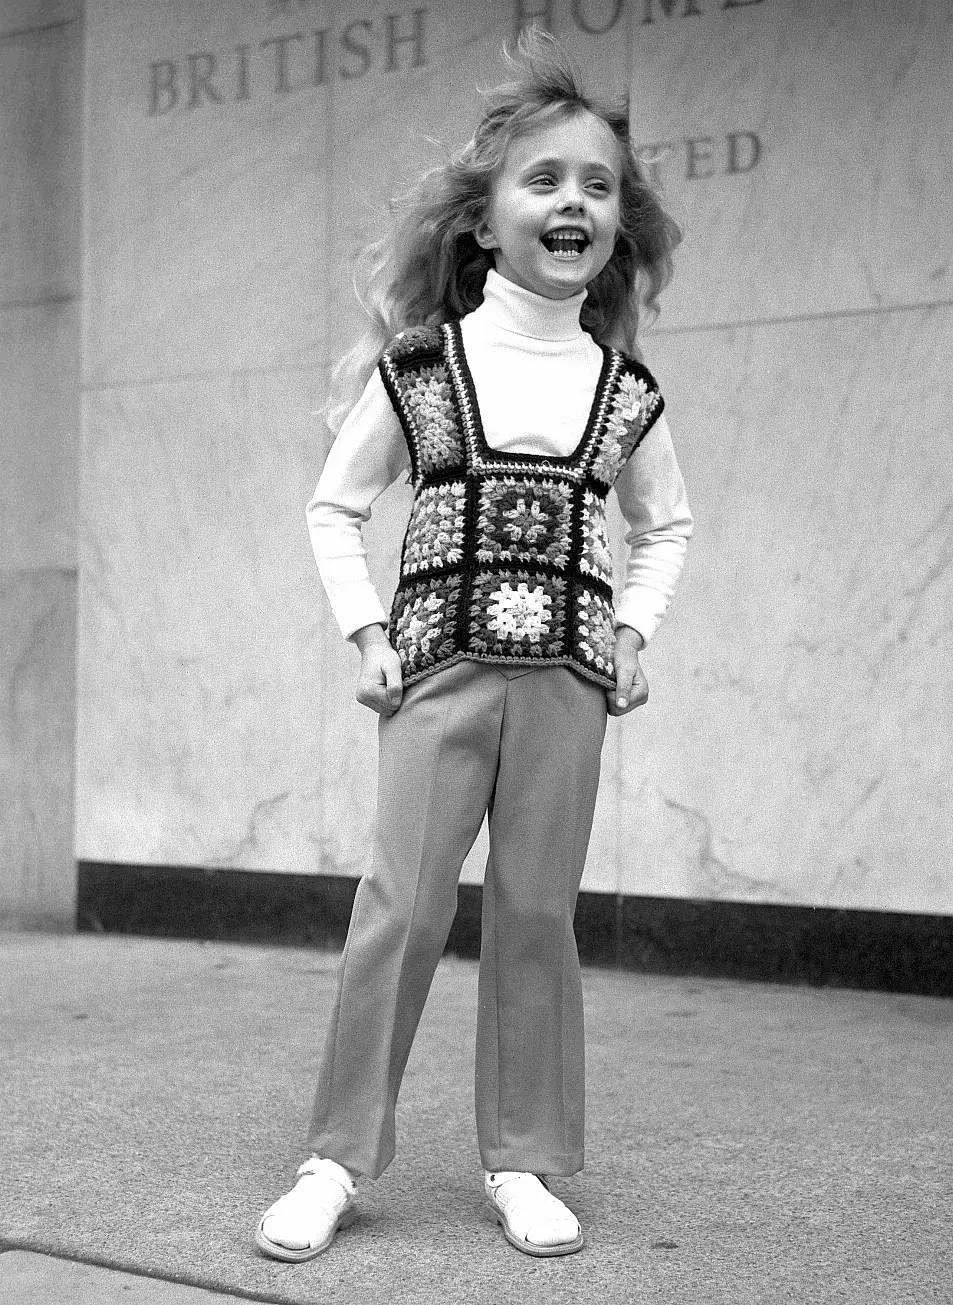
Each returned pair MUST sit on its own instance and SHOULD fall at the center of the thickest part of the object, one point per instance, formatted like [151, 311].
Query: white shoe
[302, 1224]
[533, 1220]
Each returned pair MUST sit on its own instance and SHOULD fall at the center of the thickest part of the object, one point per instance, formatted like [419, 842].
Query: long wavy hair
[428, 268]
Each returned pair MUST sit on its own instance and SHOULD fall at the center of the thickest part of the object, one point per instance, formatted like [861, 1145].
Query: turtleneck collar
[511, 308]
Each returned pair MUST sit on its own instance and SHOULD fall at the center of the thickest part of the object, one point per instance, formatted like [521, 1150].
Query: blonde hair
[429, 269]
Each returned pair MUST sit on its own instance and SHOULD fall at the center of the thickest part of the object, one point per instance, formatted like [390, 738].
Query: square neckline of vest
[459, 362]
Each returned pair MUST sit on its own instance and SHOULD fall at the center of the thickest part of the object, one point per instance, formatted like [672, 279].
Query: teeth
[565, 244]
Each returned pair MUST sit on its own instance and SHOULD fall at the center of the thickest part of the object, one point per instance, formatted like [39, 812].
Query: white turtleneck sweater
[535, 373]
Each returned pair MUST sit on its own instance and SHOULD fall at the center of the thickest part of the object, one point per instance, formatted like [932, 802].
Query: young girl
[511, 394]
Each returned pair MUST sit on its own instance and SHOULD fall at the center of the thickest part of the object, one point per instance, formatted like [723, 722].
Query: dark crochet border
[885, 950]
[444, 345]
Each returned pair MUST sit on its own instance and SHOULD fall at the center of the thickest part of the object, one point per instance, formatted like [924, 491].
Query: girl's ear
[483, 235]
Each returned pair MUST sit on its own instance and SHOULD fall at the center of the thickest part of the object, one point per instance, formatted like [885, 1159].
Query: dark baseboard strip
[885, 950]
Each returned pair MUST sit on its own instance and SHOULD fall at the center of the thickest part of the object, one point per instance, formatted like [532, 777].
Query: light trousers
[523, 746]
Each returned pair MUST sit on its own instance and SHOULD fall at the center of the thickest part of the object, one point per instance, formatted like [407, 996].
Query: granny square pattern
[435, 531]
[506, 557]
[429, 400]
[634, 403]
[524, 521]
[595, 631]
[517, 614]
[596, 559]
[423, 629]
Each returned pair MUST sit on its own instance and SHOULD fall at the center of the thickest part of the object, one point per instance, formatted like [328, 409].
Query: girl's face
[553, 214]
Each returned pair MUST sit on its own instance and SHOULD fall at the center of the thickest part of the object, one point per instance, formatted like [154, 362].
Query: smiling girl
[501, 372]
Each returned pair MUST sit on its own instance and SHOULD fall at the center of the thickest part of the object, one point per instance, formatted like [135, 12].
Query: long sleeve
[651, 495]
[534, 370]
[369, 454]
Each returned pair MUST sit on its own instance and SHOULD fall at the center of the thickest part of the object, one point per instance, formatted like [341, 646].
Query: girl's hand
[380, 684]
[631, 687]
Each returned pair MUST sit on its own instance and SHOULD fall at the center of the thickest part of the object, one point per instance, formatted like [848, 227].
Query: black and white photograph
[476, 630]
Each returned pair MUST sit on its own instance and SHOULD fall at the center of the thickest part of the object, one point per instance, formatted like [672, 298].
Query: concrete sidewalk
[746, 1142]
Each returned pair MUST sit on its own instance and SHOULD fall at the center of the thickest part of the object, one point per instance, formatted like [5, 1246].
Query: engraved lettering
[354, 47]
[594, 29]
[164, 93]
[415, 38]
[242, 92]
[700, 150]
[744, 150]
[320, 58]
[393, 43]
[202, 68]
[281, 43]
[668, 7]
[705, 156]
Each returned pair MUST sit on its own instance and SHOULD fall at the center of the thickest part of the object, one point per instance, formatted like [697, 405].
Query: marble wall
[236, 158]
[40, 151]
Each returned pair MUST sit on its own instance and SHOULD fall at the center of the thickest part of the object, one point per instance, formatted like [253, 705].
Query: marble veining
[22, 16]
[200, 638]
[39, 368]
[848, 104]
[802, 706]
[38, 617]
[225, 203]
[796, 745]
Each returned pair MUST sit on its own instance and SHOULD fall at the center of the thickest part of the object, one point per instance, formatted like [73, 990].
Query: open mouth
[566, 242]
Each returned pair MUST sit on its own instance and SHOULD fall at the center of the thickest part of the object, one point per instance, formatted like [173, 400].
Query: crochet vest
[506, 556]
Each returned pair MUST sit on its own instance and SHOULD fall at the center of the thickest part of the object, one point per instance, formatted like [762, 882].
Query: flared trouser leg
[437, 767]
[530, 1057]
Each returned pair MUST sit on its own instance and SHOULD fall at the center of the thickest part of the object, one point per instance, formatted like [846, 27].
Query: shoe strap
[330, 1169]
[497, 1177]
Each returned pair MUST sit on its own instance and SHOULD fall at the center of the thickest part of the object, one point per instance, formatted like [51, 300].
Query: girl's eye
[546, 181]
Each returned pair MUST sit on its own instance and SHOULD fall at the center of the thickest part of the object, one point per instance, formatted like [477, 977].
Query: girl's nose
[571, 199]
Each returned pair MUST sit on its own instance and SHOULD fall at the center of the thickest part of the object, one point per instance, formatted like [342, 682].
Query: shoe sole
[292, 1256]
[493, 1215]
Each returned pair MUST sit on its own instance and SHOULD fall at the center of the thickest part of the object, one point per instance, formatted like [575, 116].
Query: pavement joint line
[119, 1266]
